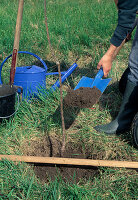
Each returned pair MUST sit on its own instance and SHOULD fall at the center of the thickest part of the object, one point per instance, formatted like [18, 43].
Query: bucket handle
[26, 52]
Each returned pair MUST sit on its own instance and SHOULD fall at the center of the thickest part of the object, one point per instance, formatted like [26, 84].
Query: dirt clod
[84, 97]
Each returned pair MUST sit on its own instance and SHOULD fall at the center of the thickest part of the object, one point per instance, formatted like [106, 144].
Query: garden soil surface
[84, 97]
[50, 147]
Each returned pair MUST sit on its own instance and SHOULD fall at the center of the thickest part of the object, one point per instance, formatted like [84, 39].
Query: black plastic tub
[7, 100]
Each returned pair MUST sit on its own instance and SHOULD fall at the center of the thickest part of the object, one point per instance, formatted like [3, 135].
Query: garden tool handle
[18, 25]
[16, 41]
[98, 76]
[126, 39]
[100, 73]
[118, 49]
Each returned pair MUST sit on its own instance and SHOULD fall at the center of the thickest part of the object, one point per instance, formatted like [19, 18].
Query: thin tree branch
[59, 71]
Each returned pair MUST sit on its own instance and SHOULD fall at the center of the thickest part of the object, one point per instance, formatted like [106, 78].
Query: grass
[77, 29]
[19, 182]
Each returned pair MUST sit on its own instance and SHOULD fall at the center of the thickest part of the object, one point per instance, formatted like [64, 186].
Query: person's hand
[106, 64]
[106, 60]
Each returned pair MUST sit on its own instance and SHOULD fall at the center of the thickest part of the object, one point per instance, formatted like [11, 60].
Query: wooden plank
[71, 161]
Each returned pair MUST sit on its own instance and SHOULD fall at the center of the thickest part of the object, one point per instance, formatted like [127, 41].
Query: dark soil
[84, 97]
[68, 173]
[50, 147]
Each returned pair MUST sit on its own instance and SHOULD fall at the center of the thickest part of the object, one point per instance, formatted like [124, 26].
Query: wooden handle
[70, 161]
[118, 49]
[16, 41]
[18, 25]
[126, 39]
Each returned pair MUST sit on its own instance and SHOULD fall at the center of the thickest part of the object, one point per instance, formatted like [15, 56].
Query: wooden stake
[62, 115]
[59, 71]
[71, 161]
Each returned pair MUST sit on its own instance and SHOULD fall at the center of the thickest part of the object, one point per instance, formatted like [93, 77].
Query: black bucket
[7, 100]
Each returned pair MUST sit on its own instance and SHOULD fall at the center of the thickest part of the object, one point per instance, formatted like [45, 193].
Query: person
[126, 17]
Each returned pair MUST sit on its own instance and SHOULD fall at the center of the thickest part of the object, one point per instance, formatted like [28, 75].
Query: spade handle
[128, 37]
[16, 41]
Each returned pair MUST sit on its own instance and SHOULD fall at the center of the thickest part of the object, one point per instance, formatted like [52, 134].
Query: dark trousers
[133, 60]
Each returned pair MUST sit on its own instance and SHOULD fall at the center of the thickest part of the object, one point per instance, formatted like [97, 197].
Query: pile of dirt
[50, 147]
[84, 97]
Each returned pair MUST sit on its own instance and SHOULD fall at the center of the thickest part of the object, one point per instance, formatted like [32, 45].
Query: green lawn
[78, 29]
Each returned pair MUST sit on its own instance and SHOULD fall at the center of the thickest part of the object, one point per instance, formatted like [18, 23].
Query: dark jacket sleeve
[126, 17]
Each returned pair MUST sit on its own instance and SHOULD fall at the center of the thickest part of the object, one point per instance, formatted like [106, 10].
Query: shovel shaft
[18, 25]
[13, 66]
[16, 41]
[128, 37]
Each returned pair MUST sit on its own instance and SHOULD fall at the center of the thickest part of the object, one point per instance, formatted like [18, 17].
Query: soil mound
[84, 97]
